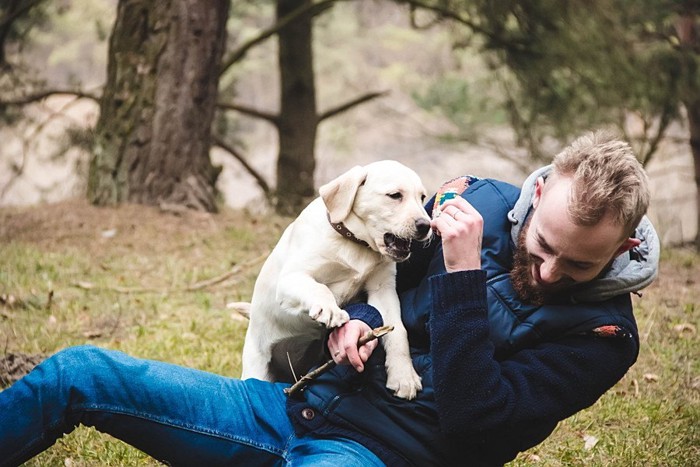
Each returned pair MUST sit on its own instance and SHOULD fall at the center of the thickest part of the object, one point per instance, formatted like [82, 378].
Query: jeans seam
[177, 424]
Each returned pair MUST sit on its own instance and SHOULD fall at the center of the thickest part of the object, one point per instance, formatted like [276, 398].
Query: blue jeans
[177, 415]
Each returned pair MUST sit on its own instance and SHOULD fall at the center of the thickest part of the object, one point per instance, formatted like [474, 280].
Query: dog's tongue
[400, 247]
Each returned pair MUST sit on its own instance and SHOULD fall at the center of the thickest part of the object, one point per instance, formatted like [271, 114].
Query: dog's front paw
[330, 316]
[404, 381]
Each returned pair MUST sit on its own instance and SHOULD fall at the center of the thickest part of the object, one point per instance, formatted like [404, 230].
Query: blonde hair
[607, 179]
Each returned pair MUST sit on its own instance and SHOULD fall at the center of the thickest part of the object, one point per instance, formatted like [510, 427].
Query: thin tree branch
[332, 112]
[30, 98]
[330, 364]
[238, 269]
[421, 27]
[254, 173]
[251, 112]
[16, 10]
[26, 141]
[664, 122]
[446, 13]
[309, 8]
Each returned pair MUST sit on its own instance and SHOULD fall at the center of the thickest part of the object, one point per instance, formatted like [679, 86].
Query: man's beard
[525, 286]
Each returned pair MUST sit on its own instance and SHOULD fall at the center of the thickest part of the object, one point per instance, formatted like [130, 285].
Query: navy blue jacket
[498, 375]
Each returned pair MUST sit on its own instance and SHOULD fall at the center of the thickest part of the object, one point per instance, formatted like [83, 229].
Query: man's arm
[476, 393]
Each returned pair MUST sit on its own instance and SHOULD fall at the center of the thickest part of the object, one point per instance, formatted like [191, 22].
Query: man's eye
[395, 195]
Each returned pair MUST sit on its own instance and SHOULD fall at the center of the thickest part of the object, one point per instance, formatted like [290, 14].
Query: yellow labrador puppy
[344, 245]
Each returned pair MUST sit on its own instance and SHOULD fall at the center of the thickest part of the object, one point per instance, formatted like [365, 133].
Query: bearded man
[518, 317]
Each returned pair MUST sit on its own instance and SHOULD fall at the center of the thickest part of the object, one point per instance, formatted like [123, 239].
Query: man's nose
[549, 272]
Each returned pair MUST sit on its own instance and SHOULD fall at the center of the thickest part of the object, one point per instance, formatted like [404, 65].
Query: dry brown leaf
[685, 329]
[529, 457]
[589, 442]
[651, 377]
[92, 334]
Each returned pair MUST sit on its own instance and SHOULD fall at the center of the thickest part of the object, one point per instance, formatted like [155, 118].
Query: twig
[350, 104]
[310, 376]
[254, 173]
[41, 95]
[310, 7]
[190, 288]
[49, 302]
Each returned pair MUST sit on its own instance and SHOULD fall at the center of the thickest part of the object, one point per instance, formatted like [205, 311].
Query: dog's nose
[422, 227]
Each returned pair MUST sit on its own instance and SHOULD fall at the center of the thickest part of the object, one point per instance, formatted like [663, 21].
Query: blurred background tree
[543, 69]
[568, 66]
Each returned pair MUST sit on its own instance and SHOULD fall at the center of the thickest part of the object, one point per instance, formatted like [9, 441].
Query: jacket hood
[629, 272]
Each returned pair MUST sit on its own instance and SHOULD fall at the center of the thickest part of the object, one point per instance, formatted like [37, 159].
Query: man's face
[554, 253]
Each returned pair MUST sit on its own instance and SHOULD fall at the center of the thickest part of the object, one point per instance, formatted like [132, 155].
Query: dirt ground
[97, 232]
[14, 366]
[76, 222]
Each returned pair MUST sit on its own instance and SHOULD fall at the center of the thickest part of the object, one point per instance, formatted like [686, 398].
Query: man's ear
[627, 245]
[539, 188]
[339, 194]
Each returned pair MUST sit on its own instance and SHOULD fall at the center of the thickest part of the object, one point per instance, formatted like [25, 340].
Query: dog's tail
[239, 310]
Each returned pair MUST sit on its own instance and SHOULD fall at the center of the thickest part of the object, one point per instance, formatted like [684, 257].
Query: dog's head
[382, 204]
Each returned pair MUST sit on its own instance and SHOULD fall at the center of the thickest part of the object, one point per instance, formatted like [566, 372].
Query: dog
[342, 247]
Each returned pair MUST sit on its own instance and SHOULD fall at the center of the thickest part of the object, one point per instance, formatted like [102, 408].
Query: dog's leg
[298, 293]
[401, 376]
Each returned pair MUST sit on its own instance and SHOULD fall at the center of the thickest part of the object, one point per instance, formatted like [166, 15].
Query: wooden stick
[237, 269]
[310, 376]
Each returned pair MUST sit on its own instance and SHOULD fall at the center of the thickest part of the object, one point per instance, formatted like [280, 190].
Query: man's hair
[607, 179]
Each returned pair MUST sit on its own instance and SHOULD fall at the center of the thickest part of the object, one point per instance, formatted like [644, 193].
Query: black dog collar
[345, 232]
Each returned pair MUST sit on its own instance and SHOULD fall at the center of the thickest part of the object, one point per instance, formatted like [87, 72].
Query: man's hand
[461, 228]
[342, 344]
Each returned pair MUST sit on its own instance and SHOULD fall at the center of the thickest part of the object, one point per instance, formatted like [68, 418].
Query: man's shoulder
[495, 191]
[493, 199]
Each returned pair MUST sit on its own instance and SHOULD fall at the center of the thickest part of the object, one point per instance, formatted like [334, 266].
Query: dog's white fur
[313, 271]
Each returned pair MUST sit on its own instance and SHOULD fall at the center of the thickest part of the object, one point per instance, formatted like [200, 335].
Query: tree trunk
[154, 132]
[687, 34]
[693, 111]
[297, 119]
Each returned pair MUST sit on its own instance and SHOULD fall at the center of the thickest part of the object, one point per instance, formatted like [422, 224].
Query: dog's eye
[395, 195]
[422, 198]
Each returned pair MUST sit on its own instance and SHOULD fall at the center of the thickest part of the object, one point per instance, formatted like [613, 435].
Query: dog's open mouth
[399, 249]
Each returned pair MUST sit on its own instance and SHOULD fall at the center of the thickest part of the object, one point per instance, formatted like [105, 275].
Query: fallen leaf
[589, 442]
[109, 233]
[685, 328]
[92, 334]
[695, 384]
[529, 457]
[8, 300]
[651, 378]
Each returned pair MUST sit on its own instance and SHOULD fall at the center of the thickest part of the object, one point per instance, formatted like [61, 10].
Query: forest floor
[156, 285]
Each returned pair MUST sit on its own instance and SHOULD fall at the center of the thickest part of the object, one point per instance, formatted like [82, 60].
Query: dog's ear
[339, 194]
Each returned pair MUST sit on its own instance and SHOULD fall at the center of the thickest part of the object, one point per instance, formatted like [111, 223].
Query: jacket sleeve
[477, 395]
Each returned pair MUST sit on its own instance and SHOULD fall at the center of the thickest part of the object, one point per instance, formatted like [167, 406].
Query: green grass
[651, 417]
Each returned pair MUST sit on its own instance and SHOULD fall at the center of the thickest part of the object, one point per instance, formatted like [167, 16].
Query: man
[518, 317]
